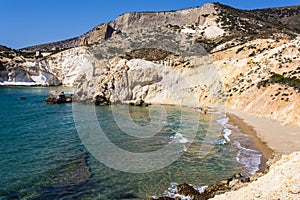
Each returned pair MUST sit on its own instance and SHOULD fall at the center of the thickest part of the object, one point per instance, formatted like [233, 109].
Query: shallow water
[43, 157]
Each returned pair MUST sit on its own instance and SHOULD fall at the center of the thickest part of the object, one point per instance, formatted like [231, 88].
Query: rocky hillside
[202, 56]
[287, 16]
[96, 35]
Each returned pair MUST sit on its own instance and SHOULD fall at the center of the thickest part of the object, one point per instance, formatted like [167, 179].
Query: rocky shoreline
[278, 177]
[233, 183]
[187, 191]
[282, 181]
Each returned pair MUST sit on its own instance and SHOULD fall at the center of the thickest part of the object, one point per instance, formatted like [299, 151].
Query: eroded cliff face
[125, 81]
[15, 69]
[130, 21]
[69, 64]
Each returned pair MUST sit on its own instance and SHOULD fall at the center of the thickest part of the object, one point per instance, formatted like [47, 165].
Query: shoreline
[258, 144]
[273, 171]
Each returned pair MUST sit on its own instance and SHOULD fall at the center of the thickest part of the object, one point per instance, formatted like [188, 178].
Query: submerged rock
[56, 97]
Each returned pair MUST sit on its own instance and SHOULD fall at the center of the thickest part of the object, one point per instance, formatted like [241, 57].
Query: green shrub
[280, 79]
[240, 49]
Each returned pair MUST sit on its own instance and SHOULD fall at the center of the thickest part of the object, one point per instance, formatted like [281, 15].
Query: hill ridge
[127, 21]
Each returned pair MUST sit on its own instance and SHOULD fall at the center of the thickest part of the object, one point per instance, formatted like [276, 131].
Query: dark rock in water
[139, 102]
[73, 174]
[209, 192]
[187, 190]
[56, 97]
[102, 100]
[22, 98]
[235, 182]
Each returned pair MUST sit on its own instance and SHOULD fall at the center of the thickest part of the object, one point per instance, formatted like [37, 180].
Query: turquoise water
[43, 157]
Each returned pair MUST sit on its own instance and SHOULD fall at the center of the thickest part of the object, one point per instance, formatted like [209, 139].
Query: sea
[75, 151]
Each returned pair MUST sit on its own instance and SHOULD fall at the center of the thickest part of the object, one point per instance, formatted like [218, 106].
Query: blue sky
[29, 22]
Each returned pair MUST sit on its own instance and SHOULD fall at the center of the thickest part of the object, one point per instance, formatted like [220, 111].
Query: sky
[30, 22]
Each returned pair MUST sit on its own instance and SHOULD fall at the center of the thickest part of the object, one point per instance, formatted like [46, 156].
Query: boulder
[188, 190]
[57, 97]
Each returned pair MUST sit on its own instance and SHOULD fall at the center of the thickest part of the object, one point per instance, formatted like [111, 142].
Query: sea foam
[250, 158]
[226, 128]
[180, 138]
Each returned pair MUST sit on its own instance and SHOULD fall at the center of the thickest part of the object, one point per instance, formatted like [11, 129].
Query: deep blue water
[43, 157]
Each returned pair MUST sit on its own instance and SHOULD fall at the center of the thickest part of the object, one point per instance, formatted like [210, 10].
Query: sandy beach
[279, 138]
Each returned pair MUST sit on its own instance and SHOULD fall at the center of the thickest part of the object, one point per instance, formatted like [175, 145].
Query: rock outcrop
[126, 81]
[69, 64]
